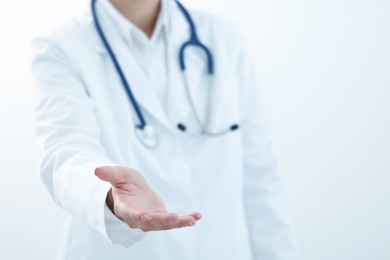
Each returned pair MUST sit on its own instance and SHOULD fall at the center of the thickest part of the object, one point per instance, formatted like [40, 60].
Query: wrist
[110, 201]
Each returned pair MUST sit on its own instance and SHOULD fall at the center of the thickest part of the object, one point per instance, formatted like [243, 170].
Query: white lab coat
[84, 120]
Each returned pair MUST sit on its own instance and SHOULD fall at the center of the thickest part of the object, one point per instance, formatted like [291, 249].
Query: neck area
[142, 13]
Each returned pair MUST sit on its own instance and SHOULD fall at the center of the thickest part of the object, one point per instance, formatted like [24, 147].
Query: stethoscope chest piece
[147, 136]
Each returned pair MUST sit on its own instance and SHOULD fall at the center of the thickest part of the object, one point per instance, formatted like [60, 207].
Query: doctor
[154, 137]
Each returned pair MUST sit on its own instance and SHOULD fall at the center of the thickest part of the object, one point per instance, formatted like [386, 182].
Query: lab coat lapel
[141, 87]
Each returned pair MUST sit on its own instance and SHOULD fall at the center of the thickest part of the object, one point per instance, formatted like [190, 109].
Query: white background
[324, 66]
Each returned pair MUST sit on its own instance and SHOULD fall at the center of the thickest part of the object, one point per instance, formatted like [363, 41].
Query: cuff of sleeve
[119, 232]
[87, 199]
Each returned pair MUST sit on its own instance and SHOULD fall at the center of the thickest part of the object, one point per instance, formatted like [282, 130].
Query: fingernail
[145, 218]
[191, 223]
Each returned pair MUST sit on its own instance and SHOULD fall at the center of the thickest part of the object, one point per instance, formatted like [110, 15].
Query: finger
[196, 215]
[161, 219]
[149, 221]
[135, 219]
[111, 174]
[183, 221]
[141, 218]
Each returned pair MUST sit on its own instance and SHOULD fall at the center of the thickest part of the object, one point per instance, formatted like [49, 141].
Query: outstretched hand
[133, 200]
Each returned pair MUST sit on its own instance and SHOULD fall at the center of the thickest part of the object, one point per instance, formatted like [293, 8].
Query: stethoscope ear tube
[196, 43]
[193, 41]
[232, 128]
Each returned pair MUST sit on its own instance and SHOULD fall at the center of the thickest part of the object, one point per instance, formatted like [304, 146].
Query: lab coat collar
[177, 26]
[174, 24]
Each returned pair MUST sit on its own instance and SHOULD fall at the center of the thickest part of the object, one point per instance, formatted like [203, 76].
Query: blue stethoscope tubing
[145, 132]
[142, 121]
[193, 41]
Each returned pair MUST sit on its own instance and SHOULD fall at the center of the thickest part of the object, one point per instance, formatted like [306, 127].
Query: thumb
[111, 174]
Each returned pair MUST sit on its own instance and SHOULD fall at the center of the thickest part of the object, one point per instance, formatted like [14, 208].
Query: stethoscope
[145, 132]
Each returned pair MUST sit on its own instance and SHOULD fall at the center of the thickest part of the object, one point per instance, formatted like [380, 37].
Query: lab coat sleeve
[68, 132]
[263, 190]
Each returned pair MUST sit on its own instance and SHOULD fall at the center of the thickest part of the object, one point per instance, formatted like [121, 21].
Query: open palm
[136, 203]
